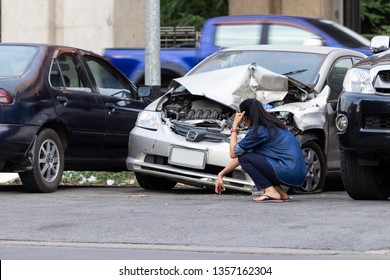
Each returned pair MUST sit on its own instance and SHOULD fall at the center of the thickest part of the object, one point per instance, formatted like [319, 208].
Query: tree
[375, 16]
[194, 13]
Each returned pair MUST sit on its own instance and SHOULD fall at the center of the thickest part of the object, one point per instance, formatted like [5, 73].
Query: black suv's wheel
[48, 163]
[316, 169]
[154, 183]
[364, 182]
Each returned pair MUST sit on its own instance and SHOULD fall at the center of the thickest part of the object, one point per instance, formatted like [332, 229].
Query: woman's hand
[238, 118]
[219, 186]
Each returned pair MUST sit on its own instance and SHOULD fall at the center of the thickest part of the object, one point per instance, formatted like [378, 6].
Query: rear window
[340, 33]
[15, 59]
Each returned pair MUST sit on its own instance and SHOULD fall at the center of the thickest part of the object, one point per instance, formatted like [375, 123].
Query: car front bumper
[368, 127]
[153, 153]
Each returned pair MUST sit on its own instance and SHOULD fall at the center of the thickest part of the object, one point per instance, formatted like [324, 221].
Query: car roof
[33, 45]
[293, 48]
[46, 46]
[233, 18]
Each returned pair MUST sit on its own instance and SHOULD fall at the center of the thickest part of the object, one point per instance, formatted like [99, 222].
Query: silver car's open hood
[230, 86]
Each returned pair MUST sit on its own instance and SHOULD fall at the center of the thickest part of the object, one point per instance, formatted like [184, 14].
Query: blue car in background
[232, 31]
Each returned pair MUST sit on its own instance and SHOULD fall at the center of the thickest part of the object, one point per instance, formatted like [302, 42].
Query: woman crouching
[269, 153]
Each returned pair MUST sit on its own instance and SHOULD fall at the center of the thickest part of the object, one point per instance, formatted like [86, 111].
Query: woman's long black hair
[258, 116]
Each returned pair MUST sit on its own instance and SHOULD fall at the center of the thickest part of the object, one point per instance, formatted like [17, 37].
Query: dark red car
[62, 108]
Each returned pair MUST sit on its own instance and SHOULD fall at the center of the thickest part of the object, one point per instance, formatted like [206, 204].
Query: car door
[335, 80]
[122, 106]
[78, 106]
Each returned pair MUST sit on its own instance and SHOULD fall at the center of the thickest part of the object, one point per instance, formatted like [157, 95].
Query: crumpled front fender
[307, 115]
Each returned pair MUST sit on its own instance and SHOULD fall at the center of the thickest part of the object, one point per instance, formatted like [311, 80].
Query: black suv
[363, 123]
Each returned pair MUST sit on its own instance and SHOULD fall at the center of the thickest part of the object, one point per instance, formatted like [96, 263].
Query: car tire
[154, 183]
[364, 182]
[48, 163]
[316, 169]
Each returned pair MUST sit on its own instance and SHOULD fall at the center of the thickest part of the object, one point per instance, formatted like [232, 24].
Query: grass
[88, 178]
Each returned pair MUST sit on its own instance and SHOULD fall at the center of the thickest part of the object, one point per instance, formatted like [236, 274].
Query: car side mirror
[380, 44]
[144, 91]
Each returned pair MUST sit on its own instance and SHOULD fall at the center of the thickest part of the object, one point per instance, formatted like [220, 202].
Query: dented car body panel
[310, 114]
[234, 84]
[188, 140]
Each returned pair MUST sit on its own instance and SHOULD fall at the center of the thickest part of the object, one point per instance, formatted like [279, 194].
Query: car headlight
[148, 120]
[359, 81]
[341, 122]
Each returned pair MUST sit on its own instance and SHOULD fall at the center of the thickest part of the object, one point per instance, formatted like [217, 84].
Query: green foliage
[98, 178]
[93, 178]
[375, 16]
[191, 13]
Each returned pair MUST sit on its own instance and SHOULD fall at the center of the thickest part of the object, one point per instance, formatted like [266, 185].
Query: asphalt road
[188, 223]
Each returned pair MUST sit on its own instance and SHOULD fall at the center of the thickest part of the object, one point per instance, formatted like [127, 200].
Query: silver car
[183, 136]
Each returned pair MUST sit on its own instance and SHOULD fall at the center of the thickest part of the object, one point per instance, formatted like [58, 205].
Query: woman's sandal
[267, 199]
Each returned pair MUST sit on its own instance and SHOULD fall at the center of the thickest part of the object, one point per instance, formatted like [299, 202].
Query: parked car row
[65, 108]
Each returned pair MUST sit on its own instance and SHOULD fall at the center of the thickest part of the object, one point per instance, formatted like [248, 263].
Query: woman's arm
[219, 186]
[233, 137]
[233, 142]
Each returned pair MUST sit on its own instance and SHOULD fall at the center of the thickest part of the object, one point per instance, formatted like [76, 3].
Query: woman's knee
[245, 161]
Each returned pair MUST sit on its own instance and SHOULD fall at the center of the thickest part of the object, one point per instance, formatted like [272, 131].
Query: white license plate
[187, 157]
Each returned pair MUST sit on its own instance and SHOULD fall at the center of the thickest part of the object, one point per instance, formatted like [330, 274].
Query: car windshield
[14, 59]
[301, 66]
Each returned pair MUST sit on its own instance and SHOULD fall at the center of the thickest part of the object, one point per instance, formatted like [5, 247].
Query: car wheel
[316, 169]
[48, 164]
[364, 182]
[154, 183]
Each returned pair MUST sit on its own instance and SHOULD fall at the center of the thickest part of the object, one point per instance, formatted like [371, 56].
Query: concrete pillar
[25, 21]
[88, 24]
[247, 7]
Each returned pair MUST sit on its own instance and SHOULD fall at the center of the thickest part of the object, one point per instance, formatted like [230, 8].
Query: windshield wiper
[294, 72]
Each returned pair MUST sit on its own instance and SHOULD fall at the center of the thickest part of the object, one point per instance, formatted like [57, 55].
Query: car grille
[206, 136]
[376, 121]
[385, 75]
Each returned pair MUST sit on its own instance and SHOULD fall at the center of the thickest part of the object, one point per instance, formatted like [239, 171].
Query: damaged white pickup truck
[183, 136]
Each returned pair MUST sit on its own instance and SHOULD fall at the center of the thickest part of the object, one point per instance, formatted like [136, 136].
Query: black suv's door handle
[110, 105]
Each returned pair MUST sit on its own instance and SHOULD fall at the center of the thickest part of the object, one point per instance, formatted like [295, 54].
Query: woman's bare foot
[270, 193]
[282, 193]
